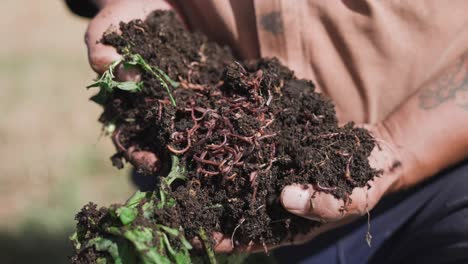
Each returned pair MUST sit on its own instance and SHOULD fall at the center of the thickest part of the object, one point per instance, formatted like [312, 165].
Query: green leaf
[126, 214]
[153, 257]
[142, 239]
[164, 79]
[101, 261]
[106, 245]
[162, 199]
[74, 239]
[148, 209]
[136, 198]
[170, 202]
[177, 171]
[206, 243]
[137, 60]
[139, 237]
[171, 231]
[167, 244]
[185, 242]
[99, 98]
[176, 233]
[129, 86]
[106, 78]
[107, 85]
[113, 230]
[180, 257]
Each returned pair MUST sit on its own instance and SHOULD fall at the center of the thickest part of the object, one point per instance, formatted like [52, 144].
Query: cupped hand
[101, 56]
[307, 202]
[113, 12]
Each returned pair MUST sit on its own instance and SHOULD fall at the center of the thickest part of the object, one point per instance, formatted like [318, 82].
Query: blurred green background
[52, 160]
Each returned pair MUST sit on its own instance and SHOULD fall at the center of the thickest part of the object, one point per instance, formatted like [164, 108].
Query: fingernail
[296, 199]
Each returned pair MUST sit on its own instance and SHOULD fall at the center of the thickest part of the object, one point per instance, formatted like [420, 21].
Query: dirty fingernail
[296, 199]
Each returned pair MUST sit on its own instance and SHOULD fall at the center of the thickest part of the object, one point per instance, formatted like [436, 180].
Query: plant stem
[162, 77]
[206, 243]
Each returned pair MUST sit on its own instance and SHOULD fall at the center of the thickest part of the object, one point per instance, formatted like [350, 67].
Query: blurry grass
[51, 161]
[33, 246]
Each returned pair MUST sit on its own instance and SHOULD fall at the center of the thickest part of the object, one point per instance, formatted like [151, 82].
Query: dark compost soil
[243, 131]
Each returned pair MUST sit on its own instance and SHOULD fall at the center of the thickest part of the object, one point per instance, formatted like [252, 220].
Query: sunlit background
[52, 160]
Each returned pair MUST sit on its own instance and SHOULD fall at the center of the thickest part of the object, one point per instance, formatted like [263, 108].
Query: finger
[101, 56]
[127, 73]
[225, 246]
[305, 201]
[312, 204]
[144, 160]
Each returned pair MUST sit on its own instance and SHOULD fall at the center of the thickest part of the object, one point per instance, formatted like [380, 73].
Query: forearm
[431, 128]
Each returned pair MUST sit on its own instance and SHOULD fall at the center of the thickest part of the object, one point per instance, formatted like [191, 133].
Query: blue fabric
[428, 224]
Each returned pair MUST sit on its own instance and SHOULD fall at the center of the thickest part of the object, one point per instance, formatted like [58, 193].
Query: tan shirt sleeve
[368, 56]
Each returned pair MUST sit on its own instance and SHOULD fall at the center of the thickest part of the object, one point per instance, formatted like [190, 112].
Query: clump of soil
[241, 130]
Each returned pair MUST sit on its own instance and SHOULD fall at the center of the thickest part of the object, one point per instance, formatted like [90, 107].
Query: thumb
[101, 56]
[304, 201]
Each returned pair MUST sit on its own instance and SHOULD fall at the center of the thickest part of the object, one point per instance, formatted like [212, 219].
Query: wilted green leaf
[185, 243]
[206, 243]
[107, 85]
[106, 245]
[142, 239]
[171, 231]
[180, 257]
[139, 237]
[167, 243]
[113, 230]
[126, 214]
[136, 198]
[148, 209]
[162, 198]
[128, 86]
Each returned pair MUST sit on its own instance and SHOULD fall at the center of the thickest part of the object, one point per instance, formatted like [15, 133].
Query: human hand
[307, 202]
[112, 13]
[101, 56]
